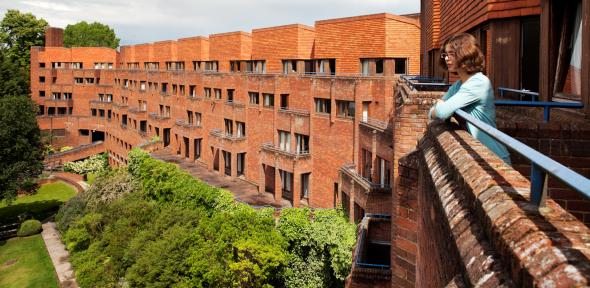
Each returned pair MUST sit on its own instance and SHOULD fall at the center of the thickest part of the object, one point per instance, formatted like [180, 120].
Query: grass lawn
[45, 202]
[24, 262]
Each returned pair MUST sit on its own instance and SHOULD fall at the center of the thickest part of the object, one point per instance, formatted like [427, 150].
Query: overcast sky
[137, 21]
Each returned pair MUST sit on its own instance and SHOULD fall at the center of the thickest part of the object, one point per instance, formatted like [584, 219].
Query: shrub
[94, 164]
[70, 212]
[29, 186]
[66, 148]
[109, 187]
[29, 227]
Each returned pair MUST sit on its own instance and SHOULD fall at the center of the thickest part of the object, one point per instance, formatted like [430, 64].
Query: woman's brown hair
[468, 55]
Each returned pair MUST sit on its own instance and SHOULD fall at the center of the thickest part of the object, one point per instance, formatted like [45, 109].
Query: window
[67, 96]
[568, 73]
[84, 132]
[192, 91]
[197, 148]
[269, 99]
[164, 87]
[286, 184]
[41, 79]
[174, 89]
[217, 93]
[41, 64]
[78, 80]
[254, 99]
[365, 67]
[207, 92]
[227, 162]
[142, 86]
[379, 66]
[256, 66]
[302, 142]
[41, 93]
[175, 65]
[93, 112]
[151, 65]
[133, 65]
[197, 65]
[197, 119]
[103, 65]
[240, 129]
[241, 159]
[211, 66]
[228, 127]
[305, 185]
[345, 108]
[55, 96]
[89, 80]
[289, 66]
[230, 95]
[384, 173]
[322, 105]
[189, 117]
[181, 89]
[400, 65]
[284, 101]
[309, 67]
[234, 66]
[284, 141]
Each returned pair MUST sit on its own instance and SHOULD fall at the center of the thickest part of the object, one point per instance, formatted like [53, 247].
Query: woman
[473, 93]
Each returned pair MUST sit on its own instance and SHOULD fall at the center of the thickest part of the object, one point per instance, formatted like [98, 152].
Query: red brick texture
[471, 197]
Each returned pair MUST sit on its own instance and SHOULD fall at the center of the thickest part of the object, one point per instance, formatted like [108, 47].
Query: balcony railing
[368, 184]
[294, 111]
[220, 134]
[157, 116]
[234, 103]
[371, 263]
[268, 146]
[541, 165]
[186, 124]
[424, 83]
[74, 150]
[120, 105]
[376, 124]
[137, 110]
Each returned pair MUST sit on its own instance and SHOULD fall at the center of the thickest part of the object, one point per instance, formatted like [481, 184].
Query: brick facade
[300, 127]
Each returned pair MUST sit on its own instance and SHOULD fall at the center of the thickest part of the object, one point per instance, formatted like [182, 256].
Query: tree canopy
[18, 32]
[83, 34]
[20, 144]
[13, 79]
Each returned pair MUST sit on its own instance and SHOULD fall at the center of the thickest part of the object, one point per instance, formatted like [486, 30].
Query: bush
[70, 212]
[29, 227]
[66, 148]
[94, 164]
[29, 186]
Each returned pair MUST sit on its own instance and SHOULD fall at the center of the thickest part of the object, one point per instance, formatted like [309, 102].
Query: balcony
[372, 262]
[378, 125]
[218, 133]
[137, 110]
[59, 102]
[185, 124]
[158, 117]
[100, 104]
[235, 104]
[349, 170]
[294, 111]
[269, 147]
[120, 105]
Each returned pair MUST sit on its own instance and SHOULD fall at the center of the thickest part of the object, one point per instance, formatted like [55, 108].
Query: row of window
[76, 65]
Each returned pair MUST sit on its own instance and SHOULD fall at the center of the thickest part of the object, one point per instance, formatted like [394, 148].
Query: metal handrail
[546, 105]
[541, 165]
[350, 170]
[521, 92]
[417, 82]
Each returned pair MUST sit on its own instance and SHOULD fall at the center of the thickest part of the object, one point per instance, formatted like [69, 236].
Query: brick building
[295, 110]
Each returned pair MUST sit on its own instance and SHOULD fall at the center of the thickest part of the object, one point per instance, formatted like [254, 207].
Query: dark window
[400, 65]
[41, 79]
[379, 66]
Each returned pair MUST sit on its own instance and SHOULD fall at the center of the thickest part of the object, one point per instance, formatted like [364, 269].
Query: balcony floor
[242, 190]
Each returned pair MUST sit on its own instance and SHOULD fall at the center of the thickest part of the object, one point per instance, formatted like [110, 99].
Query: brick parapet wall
[565, 139]
[410, 125]
[483, 206]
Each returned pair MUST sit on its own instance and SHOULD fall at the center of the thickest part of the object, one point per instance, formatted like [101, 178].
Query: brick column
[351, 202]
[410, 124]
[296, 188]
[278, 188]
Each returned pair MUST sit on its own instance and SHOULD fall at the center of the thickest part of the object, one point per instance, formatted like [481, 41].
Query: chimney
[54, 37]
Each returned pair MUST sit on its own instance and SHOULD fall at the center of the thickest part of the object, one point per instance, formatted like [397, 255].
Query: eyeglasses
[445, 55]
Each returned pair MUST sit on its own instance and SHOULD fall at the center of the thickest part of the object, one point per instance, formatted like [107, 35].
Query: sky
[137, 21]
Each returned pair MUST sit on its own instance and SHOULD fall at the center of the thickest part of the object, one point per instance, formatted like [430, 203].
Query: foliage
[32, 266]
[83, 34]
[21, 152]
[320, 244]
[173, 230]
[94, 164]
[28, 228]
[14, 80]
[66, 148]
[18, 32]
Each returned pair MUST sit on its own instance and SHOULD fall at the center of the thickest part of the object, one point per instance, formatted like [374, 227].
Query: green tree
[20, 144]
[94, 34]
[18, 32]
[13, 79]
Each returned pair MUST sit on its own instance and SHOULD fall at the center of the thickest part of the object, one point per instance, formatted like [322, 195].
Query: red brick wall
[230, 46]
[283, 42]
[54, 37]
[349, 39]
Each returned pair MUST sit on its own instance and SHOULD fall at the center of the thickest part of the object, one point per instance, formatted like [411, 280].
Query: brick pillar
[234, 164]
[278, 187]
[351, 202]
[296, 188]
[339, 200]
[410, 124]
[262, 183]
[221, 163]
[374, 163]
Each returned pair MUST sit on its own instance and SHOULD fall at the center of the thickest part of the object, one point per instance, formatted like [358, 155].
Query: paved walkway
[59, 256]
[242, 190]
